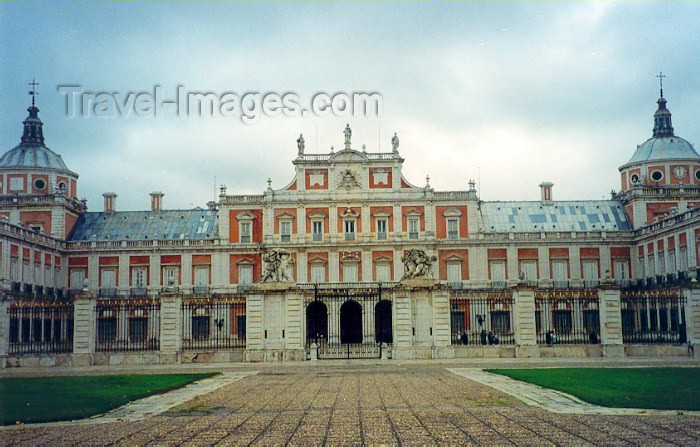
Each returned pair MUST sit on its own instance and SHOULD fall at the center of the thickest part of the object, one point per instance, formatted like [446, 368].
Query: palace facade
[506, 278]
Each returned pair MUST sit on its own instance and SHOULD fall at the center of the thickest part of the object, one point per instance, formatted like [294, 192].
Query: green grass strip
[48, 399]
[653, 388]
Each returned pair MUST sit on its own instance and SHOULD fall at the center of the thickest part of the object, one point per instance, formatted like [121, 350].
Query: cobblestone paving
[392, 404]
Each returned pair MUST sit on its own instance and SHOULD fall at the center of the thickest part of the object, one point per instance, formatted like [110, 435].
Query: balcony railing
[560, 284]
[498, 285]
[381, 236]
[317, 237]
[591, 283]
[138, 291]
[286, 238]
[108, 292]
[413, 236]
[349, 236]
[200, 290]
[452, 235]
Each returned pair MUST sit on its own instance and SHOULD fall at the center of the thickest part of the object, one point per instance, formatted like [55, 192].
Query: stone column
[402, 327]
[692, 315]
[4, 330]
[524, 326]
[295, 340]
[610, 321]
[254, 327]
[170, 328]
[84, 329]
[442, 336]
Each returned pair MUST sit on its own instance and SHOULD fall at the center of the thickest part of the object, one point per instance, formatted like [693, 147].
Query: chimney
[156, 201]
[546, 192]
[110, 202]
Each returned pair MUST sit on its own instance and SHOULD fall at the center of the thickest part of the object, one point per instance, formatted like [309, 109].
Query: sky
[507, 93]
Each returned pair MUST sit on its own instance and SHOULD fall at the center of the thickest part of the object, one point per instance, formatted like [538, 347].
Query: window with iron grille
[200, 327]
[106, 329]
[500, 322]
[138, 328]
[562, 321]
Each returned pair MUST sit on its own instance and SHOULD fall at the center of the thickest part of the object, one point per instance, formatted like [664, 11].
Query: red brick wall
[256, 225]
[441, 221]
[442, 259]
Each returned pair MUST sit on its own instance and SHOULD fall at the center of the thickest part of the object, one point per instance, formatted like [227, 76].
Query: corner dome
[664, 144]
[32, 156]
[664, 148]
[31, 153]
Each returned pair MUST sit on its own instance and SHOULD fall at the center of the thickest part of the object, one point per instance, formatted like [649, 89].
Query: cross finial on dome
[661, 77]
[33, 91]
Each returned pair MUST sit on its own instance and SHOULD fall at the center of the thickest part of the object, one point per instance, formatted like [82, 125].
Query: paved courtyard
[365, 404]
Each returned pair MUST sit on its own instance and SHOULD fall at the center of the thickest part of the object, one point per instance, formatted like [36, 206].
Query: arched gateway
[348, 323]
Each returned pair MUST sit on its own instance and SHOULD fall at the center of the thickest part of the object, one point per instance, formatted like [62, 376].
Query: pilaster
[170, 327]
[402, 326]
[524, 325]
[4, 331]
[84, 329]
[692, 314]
[610, 321]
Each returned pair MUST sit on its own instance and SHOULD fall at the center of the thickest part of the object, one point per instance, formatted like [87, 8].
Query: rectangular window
[201, 279]
[529, 268]
[560, 273]
[26, 273]
[245, 274]
[76, 279]
[452, 229]
[683, 261]
[108, 282]
[383, 272]
[381, 229]
[138, 328]
[621, 269]
[672, 261]
[350, 272]
[200, 327]
[318, 273]
[349, 230]
[171, 276]
[413, 228]
[138, 281]
[16, 184]
[317, 230]
[562, 321]
[661, 257]
[14, 269]
[500, 322]
[37, 274]
[106, 329]
[454, 273]
[245, 233]
[286, 231]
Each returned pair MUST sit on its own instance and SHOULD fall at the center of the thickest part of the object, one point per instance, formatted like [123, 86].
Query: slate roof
[146, 225]
[589, 215]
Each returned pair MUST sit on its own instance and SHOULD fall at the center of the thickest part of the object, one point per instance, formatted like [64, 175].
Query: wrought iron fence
[481, 318]
[127, 325]
[40, 327]
[214, 323]
[653, 316]
[567, 317]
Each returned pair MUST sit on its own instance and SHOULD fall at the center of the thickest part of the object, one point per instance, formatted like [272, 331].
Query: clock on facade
[679, 172]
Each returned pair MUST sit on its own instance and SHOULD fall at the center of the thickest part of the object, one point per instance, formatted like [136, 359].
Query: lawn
[47, 399]
[658, 388]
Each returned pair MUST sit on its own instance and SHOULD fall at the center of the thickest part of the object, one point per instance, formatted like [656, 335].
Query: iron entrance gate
[348, 323]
